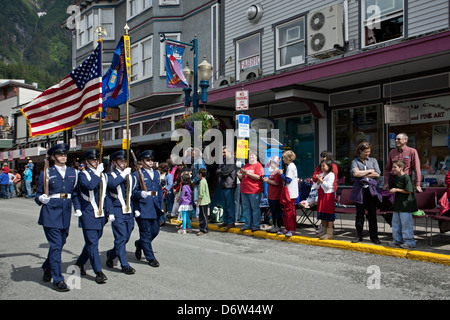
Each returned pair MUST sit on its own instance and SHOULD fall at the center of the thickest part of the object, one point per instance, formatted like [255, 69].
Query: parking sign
[241, 100]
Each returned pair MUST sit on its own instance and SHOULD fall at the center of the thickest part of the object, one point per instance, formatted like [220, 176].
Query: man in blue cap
[148, 205]
[120, 187]
[90, 208]
[56, 209]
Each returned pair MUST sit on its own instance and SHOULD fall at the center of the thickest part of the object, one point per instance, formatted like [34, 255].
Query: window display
[353, 126]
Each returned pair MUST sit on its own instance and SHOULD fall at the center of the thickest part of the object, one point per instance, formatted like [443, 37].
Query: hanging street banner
[174, 66]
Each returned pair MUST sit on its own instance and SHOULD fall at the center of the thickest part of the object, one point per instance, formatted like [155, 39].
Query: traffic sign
[241, 100]
[243, 126]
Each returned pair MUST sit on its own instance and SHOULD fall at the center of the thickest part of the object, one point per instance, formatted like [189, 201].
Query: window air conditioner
[223, 81]
[325, 30]
[250, 74]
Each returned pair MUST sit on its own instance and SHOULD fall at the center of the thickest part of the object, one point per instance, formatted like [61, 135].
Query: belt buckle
[153, 193]
[64, 195]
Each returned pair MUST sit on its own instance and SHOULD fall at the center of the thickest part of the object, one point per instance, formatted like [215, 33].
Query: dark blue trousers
[122, 231]
[148, 230]
[56, 239]
[90, 249]
[228, 205]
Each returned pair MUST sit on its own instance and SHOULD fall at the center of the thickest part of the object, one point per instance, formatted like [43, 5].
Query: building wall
[422, 17]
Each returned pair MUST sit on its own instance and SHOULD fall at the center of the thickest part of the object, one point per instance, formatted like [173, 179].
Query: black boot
[100, 277]
[138, 252]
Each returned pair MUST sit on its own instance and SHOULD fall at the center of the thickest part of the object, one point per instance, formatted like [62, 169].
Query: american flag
[66, 104]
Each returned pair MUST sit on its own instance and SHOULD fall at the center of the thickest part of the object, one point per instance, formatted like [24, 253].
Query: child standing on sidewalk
[185, 203]
[203, 202]
[404, 205]
[325, 199]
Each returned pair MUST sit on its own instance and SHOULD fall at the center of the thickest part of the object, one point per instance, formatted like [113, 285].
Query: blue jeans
[4, 191]
[11, 189]
[228, 205]
[28, 186]
[252, 211]
[403, 228]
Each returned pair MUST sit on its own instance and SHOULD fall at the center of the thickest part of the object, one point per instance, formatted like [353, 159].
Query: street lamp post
[204, 71]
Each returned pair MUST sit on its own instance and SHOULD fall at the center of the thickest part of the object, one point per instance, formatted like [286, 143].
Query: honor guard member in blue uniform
[148, 207]
[120, 215]
[91, 209]
[56, 210]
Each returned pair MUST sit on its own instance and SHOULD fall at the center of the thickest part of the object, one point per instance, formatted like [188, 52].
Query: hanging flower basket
[187, 122]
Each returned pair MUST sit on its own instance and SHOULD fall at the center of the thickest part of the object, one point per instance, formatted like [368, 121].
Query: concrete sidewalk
[433, 247]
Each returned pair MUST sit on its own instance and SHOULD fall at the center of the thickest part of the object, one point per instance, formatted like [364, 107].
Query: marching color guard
[91, 208]
[120, 187]
[148, 205]
[56, 210]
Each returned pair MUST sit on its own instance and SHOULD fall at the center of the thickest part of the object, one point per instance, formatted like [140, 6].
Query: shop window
[350, 127]
[291, 43]
[87, 138]
[297, 134]
[162, 125]
[428, 132]
[134, 129]
[383, 20]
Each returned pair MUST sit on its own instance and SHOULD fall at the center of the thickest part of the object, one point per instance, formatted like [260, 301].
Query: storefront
[426, 125]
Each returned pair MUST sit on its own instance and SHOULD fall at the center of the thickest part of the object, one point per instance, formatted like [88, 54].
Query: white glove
[144, 194]
[137, 213]
[100, 168]
[44, 199]
[111, 217]
[77, 213]
[125, 172]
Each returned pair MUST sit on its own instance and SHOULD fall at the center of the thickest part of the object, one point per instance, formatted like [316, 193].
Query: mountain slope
[34, 48]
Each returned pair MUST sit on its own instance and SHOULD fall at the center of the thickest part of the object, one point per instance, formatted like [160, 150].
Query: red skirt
[325, 202]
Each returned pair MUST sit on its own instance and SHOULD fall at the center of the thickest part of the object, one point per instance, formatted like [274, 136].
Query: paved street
[217, 266]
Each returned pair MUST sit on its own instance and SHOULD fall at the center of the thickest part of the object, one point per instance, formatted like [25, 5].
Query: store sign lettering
[434, 109]
[250, 62]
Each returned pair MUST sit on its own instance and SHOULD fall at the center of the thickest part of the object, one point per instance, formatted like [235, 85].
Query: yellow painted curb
[339, 244]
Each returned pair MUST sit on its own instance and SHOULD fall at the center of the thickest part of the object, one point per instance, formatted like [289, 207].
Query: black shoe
[128, 270]
[47, 275]
[376, 241]
[82, 271]
[229, 226]
[138, 252]
[60, 286]
[109, 260]
[100, 277]
[153, 263]
[255, 229]
[357, 239]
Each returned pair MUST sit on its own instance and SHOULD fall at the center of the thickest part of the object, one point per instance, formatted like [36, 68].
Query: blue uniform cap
[58, 148]
[146, 154]
[91, 154]
[121, 154]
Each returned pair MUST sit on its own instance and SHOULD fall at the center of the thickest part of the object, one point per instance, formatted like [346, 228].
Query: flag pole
[126, 45]
[101, 31]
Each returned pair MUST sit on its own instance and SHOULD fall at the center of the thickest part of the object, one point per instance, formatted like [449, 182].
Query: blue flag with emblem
[115, 87]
